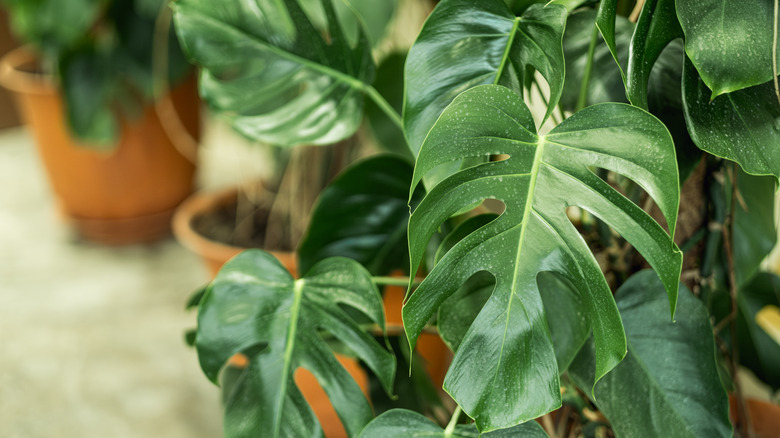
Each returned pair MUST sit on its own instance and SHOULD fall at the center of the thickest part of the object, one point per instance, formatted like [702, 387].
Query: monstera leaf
[668, 385]
[269, 69]
[504, 371]
[402, 424]
[741, 126]
[466, 43]
[729, 41]
[254, 306]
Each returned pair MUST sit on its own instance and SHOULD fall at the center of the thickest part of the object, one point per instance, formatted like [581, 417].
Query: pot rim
[199, 203]
[14, 78]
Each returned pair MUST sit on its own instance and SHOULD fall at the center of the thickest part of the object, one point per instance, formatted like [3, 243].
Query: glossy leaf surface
[656, 27]
[271, 71]
[403, 424]
[362, 215]
[743, 126]
[605, 21]
[668, 384]
[504, 371]
[254, 306]
[729, 42]
[466, 43]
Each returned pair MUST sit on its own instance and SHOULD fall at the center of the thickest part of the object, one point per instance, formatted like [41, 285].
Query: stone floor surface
[91, 338]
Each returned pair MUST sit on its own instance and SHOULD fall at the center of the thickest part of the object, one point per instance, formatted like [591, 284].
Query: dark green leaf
[254, 306]
[566, 317]
[757, 350]
[743, 126]
[754, 224]
[403, 424]
[605, 21]
[267, 68]
[656, 27]
[606, 84]
[668, 384]
[362, 215]
[465, 43]
[729, 41]
[390, 84]
[504, 371]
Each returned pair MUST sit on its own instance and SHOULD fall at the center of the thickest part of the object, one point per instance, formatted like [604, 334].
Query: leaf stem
[384, 106]
[396, 281]
[453, 422]
[581, 100]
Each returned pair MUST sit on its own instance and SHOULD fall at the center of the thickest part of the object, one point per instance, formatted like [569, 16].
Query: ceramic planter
[120, 196]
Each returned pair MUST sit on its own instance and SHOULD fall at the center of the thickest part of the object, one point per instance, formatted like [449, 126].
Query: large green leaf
[668, 384]
[272, 72]
[399, 423]
[254, 306]
[362, 215]
[743, 126]
[466, 43]
[729, 41]
[504, 371]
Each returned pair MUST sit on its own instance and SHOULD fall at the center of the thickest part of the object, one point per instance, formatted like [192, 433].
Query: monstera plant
[546, 249]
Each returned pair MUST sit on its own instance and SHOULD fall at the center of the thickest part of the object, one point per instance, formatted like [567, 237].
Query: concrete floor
[91, 338]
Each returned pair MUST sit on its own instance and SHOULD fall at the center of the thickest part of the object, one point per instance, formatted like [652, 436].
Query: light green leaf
[466, 43]
[729, 41]
[269, 70]
[399, 423]
[504, 371]
[743, 126]
[668, 384]
[254, 306]
[362, 215]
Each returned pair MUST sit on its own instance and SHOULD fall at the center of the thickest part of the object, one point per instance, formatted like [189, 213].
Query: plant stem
[637, 10]
[734, 363]
[396, 281]
[453, 422]
[384, 106]
[581, 101]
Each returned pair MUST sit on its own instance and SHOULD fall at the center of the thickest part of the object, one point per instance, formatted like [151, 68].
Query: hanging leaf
[605, 21]
[362, 215]
[399, 423]
[743, 126]
[729, 42]
[254, 306]
[504, 371]
[606, 84]
[269, 70]
[668, 384]
[656, 27]
[466, 43]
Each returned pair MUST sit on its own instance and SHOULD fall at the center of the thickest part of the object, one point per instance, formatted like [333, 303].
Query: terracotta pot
[764, 417]
[124, 195]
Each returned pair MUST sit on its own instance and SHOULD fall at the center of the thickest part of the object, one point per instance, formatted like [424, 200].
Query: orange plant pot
[121, 196]
[764, 417]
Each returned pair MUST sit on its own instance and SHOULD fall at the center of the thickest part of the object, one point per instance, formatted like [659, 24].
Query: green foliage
[518, 292]
[255, 307]
[641, 397]
[100, 52]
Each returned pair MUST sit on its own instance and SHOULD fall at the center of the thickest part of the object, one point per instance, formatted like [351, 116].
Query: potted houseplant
[542, 294]
[87, 86]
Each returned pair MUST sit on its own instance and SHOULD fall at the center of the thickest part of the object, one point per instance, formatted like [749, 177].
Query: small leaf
[399, 423]
[255, 307]
[362, 215]
[668, 384]
[504, 371]
[268, 69]
[743, 126]
[729, 42]
[465, 43]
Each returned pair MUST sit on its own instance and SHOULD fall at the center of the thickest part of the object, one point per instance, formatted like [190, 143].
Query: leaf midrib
[351, 81]
[288, 351]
